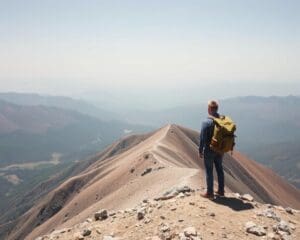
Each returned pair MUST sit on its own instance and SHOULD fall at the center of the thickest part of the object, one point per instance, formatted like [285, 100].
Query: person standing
[211, 157]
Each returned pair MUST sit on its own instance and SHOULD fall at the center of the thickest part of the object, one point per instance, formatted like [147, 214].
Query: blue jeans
[211, 158]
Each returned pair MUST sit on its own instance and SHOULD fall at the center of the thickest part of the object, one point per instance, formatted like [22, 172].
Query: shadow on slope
[234, 203]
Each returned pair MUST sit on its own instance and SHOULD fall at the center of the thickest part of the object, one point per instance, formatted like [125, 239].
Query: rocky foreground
[183, 214]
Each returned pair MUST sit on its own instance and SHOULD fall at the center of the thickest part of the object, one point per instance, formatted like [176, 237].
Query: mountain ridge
[124, 179]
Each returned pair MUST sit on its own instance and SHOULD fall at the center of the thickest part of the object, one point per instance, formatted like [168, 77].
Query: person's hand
[200, 155]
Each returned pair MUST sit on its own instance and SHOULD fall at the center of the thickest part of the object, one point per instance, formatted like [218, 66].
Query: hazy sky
[184, 51]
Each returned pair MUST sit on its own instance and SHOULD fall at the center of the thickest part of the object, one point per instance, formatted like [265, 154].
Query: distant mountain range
[38, 141]
[33, 133]
[261, 121]
[31, 99]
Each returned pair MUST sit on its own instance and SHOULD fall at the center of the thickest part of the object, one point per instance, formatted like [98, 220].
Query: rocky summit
[187, 217]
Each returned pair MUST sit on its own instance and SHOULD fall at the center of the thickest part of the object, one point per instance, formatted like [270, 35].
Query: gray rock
[181, 195]
[247, 197]
[183, 189]
[249, 224]
[252, 228]
[164, 227]
[190, 232]
[237, 195]
[86, 232]
[128, 210]
[148, 220]
[111, 214]
[167, 195]
[141, 214]
[60, 231]
[183, 237]
[174, 192]
[283, 226]
[146, 171]
[280, 208]
[101, 215]
[292, 226]
[269, 213]
[289, 210]
[283, 235]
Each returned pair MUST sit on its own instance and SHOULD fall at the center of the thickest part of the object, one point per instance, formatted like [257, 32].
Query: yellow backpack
[223, 136]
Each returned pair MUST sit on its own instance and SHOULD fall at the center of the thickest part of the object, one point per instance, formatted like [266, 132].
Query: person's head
[212, 107]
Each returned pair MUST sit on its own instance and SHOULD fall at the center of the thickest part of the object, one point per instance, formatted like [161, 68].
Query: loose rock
[269, 213]
[183, 189]
[140, 214]
[289, 210]
[282, 226]
[164, 227]
[101, 215]
[251, 227]
[86, 232]
[190, 231]
[146, 171]
[247, 197]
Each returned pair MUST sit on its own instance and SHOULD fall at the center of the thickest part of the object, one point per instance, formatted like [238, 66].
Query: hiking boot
[220, 193]
[207, 195]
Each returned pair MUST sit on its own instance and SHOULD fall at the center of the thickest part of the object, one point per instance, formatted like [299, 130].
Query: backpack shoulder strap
[214, 118]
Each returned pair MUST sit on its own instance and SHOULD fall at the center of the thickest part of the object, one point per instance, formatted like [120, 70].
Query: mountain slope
[37, 142]
[283, 158]
[261, 122]
[120, 181]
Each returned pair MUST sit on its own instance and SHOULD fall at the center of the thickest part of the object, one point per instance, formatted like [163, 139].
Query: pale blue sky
[171, 48]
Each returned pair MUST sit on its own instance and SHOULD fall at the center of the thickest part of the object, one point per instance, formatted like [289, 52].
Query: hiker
[210, 156]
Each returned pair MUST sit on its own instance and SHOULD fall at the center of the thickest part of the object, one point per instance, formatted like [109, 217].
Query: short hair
[212, 104]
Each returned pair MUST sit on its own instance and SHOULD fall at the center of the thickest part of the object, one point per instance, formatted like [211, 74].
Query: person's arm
[203, 138]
